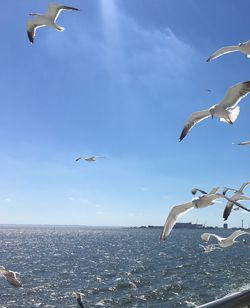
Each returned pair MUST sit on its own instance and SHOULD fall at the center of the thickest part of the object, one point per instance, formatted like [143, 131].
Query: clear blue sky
[120, 81]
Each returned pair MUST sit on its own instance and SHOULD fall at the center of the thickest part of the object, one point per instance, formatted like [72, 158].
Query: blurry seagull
[47, 19]
[224, 241]
[90, 158]
[79, 298]
[238, 195]
[197, 202]
[242, 47]
[242, 143]
[209, 248]
[10, 277]
[227, 110]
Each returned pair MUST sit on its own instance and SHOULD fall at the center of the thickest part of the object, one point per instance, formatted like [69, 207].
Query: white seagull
[238, 195]
[242, 47]
[90, 158]
[10, 277]
[209, 248]
[47, 19]
[226, 110]
[224, 241]
[243, 143]
[197, 202]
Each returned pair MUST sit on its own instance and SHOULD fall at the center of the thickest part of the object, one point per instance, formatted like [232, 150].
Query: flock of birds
[204, 200]
[227, 110]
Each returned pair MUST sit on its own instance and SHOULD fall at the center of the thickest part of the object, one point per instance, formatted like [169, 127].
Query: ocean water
[117, 267]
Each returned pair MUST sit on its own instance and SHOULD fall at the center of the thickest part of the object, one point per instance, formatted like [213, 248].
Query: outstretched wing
[243, 143]
[206, 236]
[31, 28]
[244, 185]
[55, 9]
[214, 190]
[235, 94]
[174, 214]
[222, 51]
[194, 191]
[195, 118]
[236, 234]
[228, 209]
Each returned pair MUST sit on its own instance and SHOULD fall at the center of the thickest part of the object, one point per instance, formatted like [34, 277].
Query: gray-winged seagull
[47, 19]
[226, 110]
[197, 202]
[238, 195]
[224, 241]
[242, 47]
[10, 277]
[90, 158]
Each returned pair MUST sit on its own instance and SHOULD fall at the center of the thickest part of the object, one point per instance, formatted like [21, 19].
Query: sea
[117, 267]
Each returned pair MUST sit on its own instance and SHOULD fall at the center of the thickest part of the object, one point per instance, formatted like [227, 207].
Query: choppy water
[117, 267]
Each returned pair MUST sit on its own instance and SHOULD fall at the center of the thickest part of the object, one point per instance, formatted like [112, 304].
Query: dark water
[117, 267]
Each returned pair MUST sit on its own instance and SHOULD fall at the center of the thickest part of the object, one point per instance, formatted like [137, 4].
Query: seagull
[10, 277]
[242, 47]
[79, 298]
[243, 143]
[226, 110]
[197, 202]
[47, 19]
[209, 248]
[90, 158]
[224, 241]
[238, 195]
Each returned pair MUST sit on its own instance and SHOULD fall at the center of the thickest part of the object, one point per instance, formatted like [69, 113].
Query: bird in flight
[89, 158]
[227, 110]
[48, 19]
[238, 195]
[243, 143]
[224, 241]
[242, 47]
[79, 299]
[10, 277]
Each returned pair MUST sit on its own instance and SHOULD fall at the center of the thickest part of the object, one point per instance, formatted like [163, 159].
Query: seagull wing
[55, 9]
[214, 190]
[13, 280]
[236, 234]
[223, 51]
[78, 158]
[31, 28]
[195, 118]
[244, 184]
[173, 215]
[206, 236]
[194, 191]
[243, 143]
[235, 94]
[228, 209]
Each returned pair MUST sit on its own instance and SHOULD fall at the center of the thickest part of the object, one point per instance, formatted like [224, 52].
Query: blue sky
[120, 81]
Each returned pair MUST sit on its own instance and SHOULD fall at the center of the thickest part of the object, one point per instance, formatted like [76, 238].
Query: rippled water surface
[117, 267]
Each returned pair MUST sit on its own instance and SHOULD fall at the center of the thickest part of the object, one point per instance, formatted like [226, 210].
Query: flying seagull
[209, 248]
[197, 202]
[226, 110]
[90, 158]
[10, 277]
[78, 298]
[238, 195]
[242, 47]
[47, 19]
[243, 143]
[224, 241]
